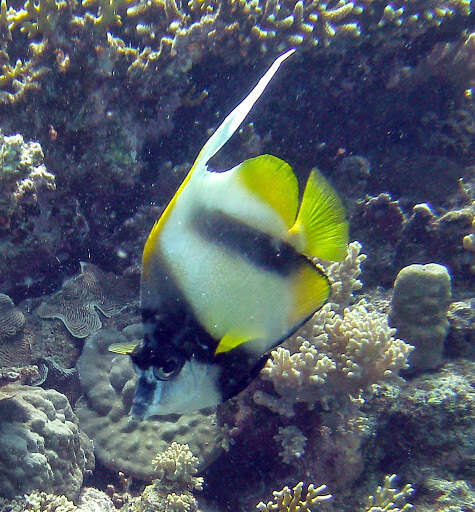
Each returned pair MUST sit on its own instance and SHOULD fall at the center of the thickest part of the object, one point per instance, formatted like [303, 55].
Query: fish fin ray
[122, 348]
[273, 180]
[233, 120]
[321, 228]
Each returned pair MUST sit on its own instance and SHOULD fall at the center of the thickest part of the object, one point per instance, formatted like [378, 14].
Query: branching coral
[388, 498]
[177, 466]
[345, 353]
[344, 276]
[172, 490]
[296, 499]
[151, 35]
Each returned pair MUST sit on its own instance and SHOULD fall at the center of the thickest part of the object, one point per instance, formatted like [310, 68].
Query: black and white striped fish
[227, 273]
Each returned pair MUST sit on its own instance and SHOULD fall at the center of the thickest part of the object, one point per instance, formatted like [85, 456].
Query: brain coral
[120, 442]
[41, 445]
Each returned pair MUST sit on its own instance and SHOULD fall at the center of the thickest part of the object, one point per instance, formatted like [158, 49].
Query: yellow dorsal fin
[310, 289]
[122, 348]
[274, 182]
[321, 229]
[234, 338]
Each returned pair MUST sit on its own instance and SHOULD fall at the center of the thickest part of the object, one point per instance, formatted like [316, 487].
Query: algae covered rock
[41, 445]
[421, 297]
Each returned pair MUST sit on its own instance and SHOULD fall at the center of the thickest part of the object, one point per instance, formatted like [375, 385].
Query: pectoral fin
[122, 348]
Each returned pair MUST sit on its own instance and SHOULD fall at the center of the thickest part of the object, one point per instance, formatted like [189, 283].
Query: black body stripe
[260, 249]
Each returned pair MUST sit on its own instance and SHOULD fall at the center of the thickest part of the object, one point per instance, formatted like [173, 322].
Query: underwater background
[104, 105]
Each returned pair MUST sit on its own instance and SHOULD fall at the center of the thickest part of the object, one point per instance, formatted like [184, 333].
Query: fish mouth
[146, 392]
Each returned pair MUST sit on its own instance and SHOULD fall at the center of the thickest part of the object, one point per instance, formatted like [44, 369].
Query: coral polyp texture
[41, 445]
[75, 304]
[345, 353]
[15, 338]
[343, 349]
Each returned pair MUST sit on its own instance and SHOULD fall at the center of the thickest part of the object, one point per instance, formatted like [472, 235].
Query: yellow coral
[388, 498]
[39, 17]
[294, 500]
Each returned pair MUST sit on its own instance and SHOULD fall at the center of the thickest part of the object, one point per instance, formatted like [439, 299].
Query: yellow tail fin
[321, 229]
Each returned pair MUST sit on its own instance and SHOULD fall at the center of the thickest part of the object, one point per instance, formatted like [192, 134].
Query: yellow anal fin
[122, 348]
[321, 228]
[234, 338]
[272, 180]
[311, 289]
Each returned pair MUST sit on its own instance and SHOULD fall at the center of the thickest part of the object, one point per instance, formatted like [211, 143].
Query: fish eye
[167, 370]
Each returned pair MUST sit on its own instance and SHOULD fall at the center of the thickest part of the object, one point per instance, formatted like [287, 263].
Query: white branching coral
[344, 353]
[343, 276]
[178, 466]
[181, 503]
[292, 442]
[361, 344]
[388, 498]
[294, 500]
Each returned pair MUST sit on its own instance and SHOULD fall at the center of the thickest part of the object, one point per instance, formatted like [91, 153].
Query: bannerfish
[227, 274]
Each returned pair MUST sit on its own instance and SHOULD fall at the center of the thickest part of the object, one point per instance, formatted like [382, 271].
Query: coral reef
[27, 189]
[461, 336]
[15, 337]
[292, 441]
[120, 93]
[42, 447]
[344, 276]
[90, 500]
[345, 353]
[421, 297]
[176, 468]
[293, 500]
[388, 498]
[432, 419]
[121, 443]
[75, 304]
[172, 490]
